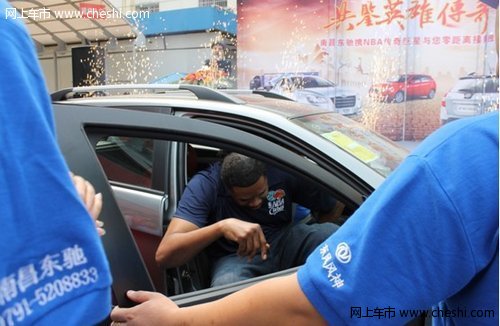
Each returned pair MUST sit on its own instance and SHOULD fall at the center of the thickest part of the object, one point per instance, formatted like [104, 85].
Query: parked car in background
[266, 80]
[472, 95]
[140, 144]
[401, 87]
[317, 91]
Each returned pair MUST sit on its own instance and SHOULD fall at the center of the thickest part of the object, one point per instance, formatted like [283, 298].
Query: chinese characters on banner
[366, 45]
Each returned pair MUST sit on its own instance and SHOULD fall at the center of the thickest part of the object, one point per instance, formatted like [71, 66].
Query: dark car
[401, 87]
[140, 150]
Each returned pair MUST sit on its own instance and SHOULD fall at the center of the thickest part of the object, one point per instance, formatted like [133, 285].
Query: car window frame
[82, 121]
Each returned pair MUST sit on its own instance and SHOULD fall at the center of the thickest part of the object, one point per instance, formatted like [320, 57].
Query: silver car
[472, 95]
[149, 140]
[319, 92]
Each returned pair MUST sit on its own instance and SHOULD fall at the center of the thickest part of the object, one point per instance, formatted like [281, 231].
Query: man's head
[246, 179]
[218, 50]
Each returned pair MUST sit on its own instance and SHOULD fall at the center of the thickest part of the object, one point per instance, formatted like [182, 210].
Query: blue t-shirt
[207, 200]
[427, 236]
[53, 268]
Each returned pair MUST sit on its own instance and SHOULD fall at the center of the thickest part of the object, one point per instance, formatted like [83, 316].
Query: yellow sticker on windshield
[351, 146]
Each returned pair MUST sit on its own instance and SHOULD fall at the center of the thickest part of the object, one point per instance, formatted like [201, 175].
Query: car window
[310, 82]
[199, 157]
[470, 85]
[127, 159]
[195, 275]
[397, 79]
[324, 82]
[492, 85]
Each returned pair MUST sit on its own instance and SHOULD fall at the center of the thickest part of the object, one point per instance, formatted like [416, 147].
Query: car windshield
[397, 79]
[471, 85]
[311, 82]
[378, 152]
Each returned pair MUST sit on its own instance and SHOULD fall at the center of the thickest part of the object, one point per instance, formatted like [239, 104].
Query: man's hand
[249, 237]
[91, 200]
[153, 309]
[260, 304]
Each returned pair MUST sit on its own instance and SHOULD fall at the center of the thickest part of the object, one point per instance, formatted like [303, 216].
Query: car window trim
[160, 126]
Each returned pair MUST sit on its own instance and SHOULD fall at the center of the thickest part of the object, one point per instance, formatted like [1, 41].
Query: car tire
[431, 94]
[399, 97]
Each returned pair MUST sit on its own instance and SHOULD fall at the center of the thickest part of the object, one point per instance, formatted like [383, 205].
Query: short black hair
[239, 170]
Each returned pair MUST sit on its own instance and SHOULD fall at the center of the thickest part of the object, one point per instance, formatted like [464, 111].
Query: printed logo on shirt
[276, 201]
[343, 253]
[331, 270]
[38, 284]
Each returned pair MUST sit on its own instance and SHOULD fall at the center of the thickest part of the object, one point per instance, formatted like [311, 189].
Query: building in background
[174, 37]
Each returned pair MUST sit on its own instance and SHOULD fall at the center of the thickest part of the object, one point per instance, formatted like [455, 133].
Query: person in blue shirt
[243, 208]
[53, 267]
[427, 238]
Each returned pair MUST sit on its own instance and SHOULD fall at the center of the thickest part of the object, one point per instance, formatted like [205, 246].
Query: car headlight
[316, 100]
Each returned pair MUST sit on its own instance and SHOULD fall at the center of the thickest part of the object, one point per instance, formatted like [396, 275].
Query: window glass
[151, 7]
[369, 148]
[127, 159]
[207, 3]
[492, 85]
[470, 85]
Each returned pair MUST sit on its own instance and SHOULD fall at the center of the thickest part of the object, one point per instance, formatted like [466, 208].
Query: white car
[319, 92]
[472, 95]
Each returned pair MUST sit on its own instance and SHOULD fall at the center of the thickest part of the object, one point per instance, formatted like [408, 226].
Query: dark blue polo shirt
[206, 200]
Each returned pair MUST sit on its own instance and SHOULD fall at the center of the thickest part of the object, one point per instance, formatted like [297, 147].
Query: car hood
[329, 91]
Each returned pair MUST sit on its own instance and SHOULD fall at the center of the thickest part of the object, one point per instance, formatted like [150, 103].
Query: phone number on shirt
[47, 293]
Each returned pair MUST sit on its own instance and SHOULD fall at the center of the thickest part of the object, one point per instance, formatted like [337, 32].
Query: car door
[136, 167]
[81, 128]
[414, 86]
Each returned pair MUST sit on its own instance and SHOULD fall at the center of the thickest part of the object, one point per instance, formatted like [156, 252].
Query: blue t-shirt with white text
[428, 237]
[53, 268]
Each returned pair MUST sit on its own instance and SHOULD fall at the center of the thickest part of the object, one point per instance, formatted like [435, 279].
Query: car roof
[479, 77]
[260, 108]
[263, 103]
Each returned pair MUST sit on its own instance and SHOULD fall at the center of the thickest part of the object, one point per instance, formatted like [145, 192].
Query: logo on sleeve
[343, 253]
[276, 201]
[331, 271]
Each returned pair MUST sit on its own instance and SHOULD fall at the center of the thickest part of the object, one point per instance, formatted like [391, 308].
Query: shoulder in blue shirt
[427, 236]
[53, 264]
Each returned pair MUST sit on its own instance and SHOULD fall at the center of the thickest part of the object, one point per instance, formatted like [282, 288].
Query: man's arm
[184, 240]
[261, 304]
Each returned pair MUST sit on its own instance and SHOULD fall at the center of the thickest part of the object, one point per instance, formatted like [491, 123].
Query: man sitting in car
[241, 208]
